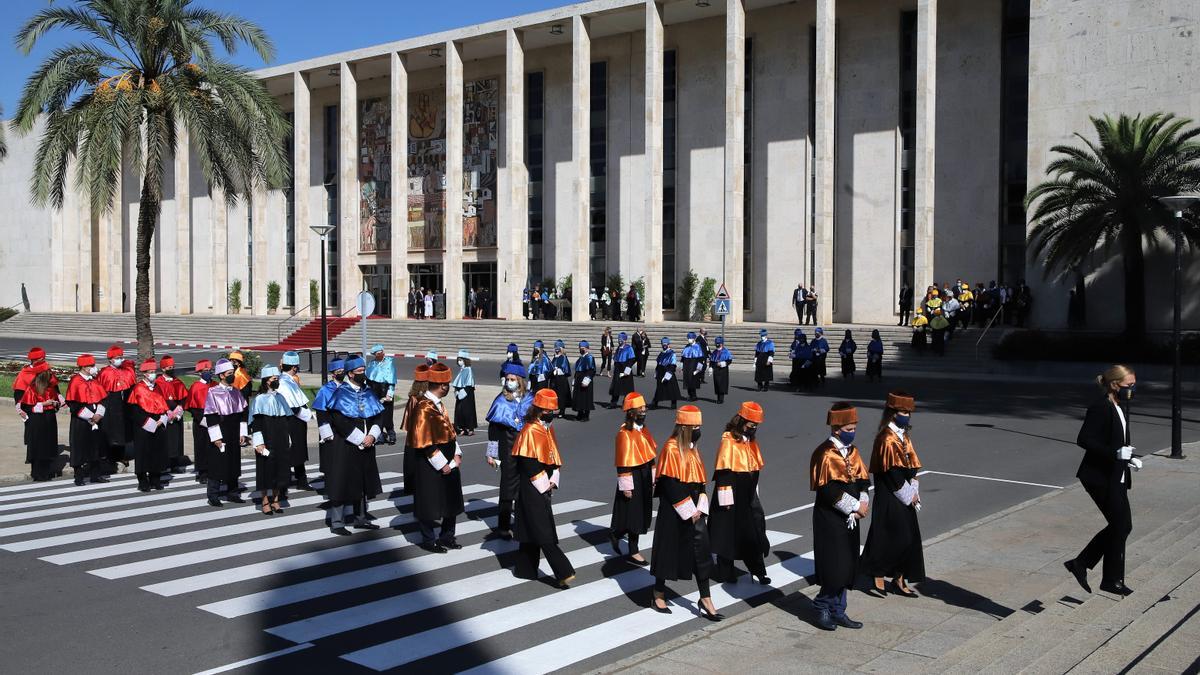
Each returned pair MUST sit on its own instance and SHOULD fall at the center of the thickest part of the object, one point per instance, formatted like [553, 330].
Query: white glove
[1125, 452]
[917, 507]
[851, 521]
[1135, 464]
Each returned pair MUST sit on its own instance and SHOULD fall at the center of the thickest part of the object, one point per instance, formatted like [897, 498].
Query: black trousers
[660, 586]
[905, 317]
[447, 529]
[725, 567]
[1109, 543]
[799, 313]
[810, 314]
[506, 510]
[531, 553]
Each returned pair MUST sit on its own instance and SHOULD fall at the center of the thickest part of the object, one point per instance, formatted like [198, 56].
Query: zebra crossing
[374, 599]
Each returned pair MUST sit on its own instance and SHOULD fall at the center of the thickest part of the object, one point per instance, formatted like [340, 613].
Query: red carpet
[309, 335]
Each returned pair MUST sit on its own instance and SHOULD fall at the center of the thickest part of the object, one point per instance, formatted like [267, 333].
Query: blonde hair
[1114, 373]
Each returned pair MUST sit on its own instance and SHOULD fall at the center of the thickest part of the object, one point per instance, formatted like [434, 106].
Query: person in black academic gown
[225, 418]
[694, 357]
[539, 464]
[270, 438]
[738, 526]
[1105, 475]
[355, 415]
[720, 360]
[506, 418]
[438, 493]
[641, 350]
[681, 547]
[560, 377]
[764, 361]
[624, 362]
[633, 503]
[839, 477]
[149, 415]
[85, 399]
[666, 376]
[40, 402]
[893, 546]
[582, 400]
[197, 394]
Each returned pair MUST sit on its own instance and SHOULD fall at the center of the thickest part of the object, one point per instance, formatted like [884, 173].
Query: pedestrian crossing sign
[721, 307]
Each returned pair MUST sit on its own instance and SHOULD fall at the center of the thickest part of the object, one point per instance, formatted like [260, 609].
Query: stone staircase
[487, 339]
[1067, 630]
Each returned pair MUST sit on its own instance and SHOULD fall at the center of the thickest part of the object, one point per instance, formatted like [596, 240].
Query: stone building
[852, 145]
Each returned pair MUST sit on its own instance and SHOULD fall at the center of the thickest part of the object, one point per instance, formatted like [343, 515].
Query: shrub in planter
[314, 297]
[272, 297]
[687, 294]
[704, 299]
[235, 296]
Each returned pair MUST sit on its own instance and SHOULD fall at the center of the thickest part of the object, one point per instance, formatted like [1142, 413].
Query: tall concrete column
[513, 237]
[579, 230]
[398, 95]
[220, 253]
[824, 148]
[653, 217]
[735, 159]
[257, 291]
[301, 180]
[183, 221]
[923, 183]
[106, 248]
[349, 283]
[452, 265]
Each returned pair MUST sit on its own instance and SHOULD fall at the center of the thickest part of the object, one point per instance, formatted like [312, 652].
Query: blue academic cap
[798, 332]
[819, 331]
[376, 349]
[538, 344]
[665, 340]
[512, 346]
[513, 369]
[354, 363]
[691, 335]
[720, 340]
[337, 364]
[291, 359]
[559, 344]
[584, 344]
[268, 371]
[762, 332]
[622, 336]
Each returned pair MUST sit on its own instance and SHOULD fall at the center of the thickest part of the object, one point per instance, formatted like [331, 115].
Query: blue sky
[300, 28]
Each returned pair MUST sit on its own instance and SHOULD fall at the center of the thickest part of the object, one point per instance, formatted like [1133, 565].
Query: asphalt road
[119, 598]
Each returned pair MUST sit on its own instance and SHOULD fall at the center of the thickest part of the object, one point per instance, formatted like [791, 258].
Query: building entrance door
[480, 277]
[424, 278]
[377, 280]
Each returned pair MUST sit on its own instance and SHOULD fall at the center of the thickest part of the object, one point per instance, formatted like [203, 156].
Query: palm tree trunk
[148, 208]
[1134, 263]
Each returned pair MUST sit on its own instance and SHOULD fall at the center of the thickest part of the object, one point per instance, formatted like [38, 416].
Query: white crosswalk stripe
[291, 577]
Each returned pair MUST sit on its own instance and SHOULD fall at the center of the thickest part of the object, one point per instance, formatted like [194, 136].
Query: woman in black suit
[1105, 475]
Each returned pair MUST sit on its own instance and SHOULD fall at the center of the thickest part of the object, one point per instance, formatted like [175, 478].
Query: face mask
[902, 421]
[273, 385]
[91, 371]
[640, 419]
[228, 379]
[582, 352]
[460, 362]
[512, 385]
[1125, 393]
[749, 432]
[170, 372]
[695, 435]
[206, 375]
[117, 362]
[340, 377]
[151, 377]
[762, 338]
[547, 417]
[510, 356]
[846, 437]
[691, 341]
[359, 378]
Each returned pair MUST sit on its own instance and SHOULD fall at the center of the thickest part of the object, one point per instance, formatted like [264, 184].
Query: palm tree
[117, 97]
[1102, 198]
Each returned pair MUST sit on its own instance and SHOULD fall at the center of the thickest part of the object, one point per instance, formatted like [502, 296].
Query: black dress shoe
[1116, 588]
[79, 480]
[143, 488]
[896, 590]
[824, 621]
[303, 485]
[432, 547]
[452, 545]
[1079, 572]
[763, 579]
[641, 563]
[341, 531]
[100, 479]
[364, 525]
[216, 503]
[661, 610]
[235, 499]
[846, 621]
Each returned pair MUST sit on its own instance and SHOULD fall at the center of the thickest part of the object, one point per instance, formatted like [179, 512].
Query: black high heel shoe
[714, 617]
[906, 592]
[665, 609]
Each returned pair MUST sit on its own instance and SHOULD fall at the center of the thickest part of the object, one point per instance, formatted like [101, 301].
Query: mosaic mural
[480, 119]
[374, 175]
[426, 168]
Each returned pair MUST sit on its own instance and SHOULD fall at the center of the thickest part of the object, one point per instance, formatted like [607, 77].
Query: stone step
[992, 644]
[1162, 631]
[1054, 641]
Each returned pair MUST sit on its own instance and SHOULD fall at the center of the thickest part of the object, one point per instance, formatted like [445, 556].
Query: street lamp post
[323, 232]
[1177, 204]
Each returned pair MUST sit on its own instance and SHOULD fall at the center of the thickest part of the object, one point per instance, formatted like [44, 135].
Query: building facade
[851, 146]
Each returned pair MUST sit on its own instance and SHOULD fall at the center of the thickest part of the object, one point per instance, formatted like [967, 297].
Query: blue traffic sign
[721, 307]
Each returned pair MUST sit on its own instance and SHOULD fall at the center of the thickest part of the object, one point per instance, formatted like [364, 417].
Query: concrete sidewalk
[996, 599]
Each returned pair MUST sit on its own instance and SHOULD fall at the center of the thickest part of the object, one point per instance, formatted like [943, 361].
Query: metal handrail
[279, 326]
[999, 311]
